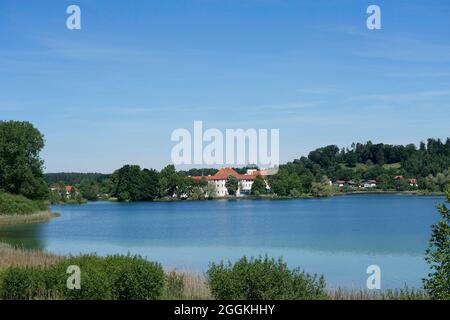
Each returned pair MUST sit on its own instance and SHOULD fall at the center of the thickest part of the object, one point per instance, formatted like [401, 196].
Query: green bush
[262, 279]
[16, 204]
[437, 284]
[110, 278]
[22, 284]
[96, 283]
[135, 278]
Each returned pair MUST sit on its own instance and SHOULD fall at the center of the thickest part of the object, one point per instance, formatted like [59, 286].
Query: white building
[369, 184]
[245, 181]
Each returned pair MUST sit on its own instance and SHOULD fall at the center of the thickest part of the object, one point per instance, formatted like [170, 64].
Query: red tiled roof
[69, 188]
[224, 173]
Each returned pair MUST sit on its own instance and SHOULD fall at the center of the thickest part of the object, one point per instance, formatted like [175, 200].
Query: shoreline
[194, 284]
[20, 219]
[279, 198]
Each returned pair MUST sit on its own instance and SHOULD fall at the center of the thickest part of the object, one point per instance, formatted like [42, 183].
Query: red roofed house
[245, 180]
[413, 182]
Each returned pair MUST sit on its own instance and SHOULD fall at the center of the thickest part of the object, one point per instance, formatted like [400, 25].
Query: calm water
[338, 237]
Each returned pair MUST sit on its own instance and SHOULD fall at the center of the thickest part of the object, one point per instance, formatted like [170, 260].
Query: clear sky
[113, 92]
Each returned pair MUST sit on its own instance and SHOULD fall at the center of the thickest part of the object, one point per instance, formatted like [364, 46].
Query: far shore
[274, 197]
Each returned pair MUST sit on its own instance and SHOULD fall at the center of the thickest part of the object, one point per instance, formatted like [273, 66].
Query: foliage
[438, 256]
[258, 186]
[17, 204]
[211, 190]
[75, 178]
[20, 164]
[135, 278]
[429, 164]
[200, 172]
[130, 183]
[262, 279]
[113, 277]
[232, 185]
[436, 183]
[18, 283]
[197, 194]
[168, 181]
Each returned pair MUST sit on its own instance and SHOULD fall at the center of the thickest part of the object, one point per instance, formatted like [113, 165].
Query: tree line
[21, 171]
[307, 176]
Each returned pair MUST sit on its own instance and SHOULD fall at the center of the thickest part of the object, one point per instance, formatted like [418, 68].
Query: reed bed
[19, 257]
[194, 286]
[41, 216]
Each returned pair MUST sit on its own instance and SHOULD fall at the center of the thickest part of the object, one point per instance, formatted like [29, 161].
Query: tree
[197, 193]
[232, 185]
[168, 181]
[258, 186]
[20, 164]
[150, 180]
[128, 183]
[438, 256]
[211, 191]
[89, 190]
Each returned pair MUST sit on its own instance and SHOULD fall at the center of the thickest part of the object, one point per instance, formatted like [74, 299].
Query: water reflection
[24, 236]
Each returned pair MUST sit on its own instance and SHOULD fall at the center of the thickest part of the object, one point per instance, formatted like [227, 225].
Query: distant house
[66, 191]
[369, 184]
[413, 182]
[352, 183]
[245, 180]
[398, 177]
[339, 183]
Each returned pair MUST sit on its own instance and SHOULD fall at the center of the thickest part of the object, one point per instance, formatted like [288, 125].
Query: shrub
[16, 204]
[21, 284]
[437, 284]
[262, 279]
[96, 283]
[135, 278]
[110, 278]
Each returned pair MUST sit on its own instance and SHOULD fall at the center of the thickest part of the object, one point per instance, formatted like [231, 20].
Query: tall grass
[36, 217]
[17, 257]
[397, 294]
[187, 285]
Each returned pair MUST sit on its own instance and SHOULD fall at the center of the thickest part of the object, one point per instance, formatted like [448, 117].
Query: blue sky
[112, 92]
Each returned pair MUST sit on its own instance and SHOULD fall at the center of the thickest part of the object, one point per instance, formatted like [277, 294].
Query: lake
[338, 237]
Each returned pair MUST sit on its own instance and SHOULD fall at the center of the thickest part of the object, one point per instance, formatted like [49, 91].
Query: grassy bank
[185, 285]
[37, 217]
[16, 209]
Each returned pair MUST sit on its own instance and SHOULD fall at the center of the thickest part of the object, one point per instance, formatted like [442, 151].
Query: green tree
[211, 190]
[20, 164]
[258, 186]
[89, 190]
[197, 194]
[128, 183]
[168, 181]
[150, 180]
[232, 185]
[438, 256]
